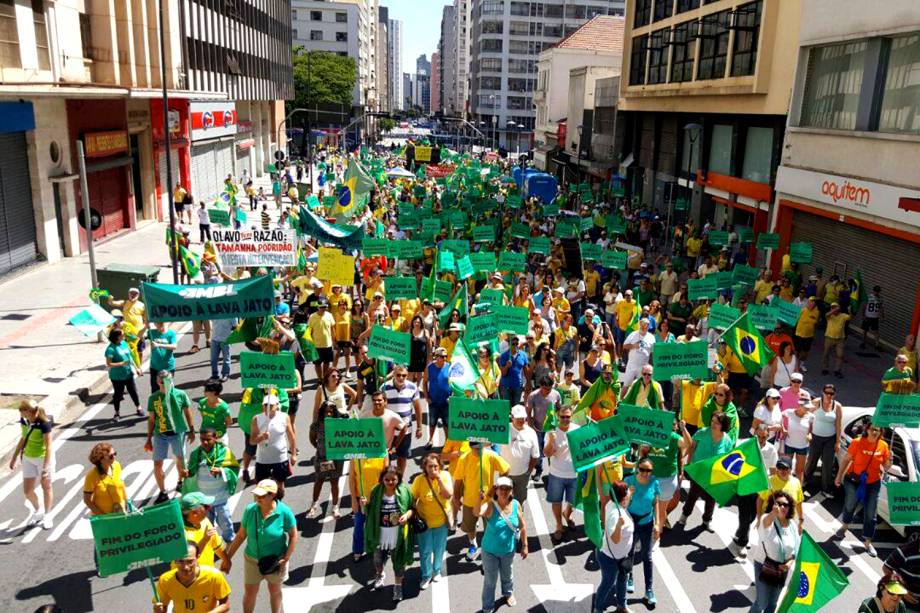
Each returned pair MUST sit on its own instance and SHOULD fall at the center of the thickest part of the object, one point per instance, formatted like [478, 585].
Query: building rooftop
[603, 33]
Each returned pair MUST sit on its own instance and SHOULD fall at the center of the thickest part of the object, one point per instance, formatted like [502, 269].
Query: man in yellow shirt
[834, 338]
[910, 350]
[200, 530]
[805, 330]
[468, 486]
[192, 588]
[624, 310]
[592, 283]
[763, 286]
[784, 481]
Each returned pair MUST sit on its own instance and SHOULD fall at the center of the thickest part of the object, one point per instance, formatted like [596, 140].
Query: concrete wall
[834, 20]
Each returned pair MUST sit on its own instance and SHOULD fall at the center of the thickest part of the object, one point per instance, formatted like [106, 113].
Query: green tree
[385, 125]
[321, 77]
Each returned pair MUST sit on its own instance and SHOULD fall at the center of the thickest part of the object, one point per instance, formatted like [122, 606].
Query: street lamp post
[693, 132]
[580, 129]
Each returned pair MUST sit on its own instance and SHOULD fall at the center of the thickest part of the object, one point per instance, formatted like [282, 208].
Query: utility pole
[169, 180]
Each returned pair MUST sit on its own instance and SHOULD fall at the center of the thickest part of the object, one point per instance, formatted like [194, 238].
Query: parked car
[904, 444]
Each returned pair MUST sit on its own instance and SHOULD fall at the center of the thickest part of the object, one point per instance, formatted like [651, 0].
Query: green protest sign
[539, 244]
[219, 217]
[903, 503]
[681, 360]
[550, 210]
[400, 288]
[787, 312]
[375, 246]
[312, 202]
[509, 260]
[722, 316]
[483, 261]
[465, 268]
[329, 202]
[140, 539]
[446, 261]
[458, 219]
[679, 205]
[355, 439]
[492, 296]
[409, 218]
[520, 230]
[616, 224]
[718, 238]
[645, 425]
[238, 300]
[596, 442]
[267, 370]
[483, 234]
[389, 345]
[513, 201]
[723, 279]
[897, 410]
[480, 328]
[406, 250]
[457, 246]
[614, 259]
[745, 274]
[486, 421]
[431, 225]
[426, 290]
[586, 223]
[591, 251]
[566, 229]
[763, 317]
[511, 318]
[745, 236]
[707, 287]
[443, 290]
[768, 240]
[800, 253]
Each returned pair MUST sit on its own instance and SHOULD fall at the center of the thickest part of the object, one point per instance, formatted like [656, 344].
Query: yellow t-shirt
[792, 486]
[342, 326]
[429, 503]
[468, 472]
[107, 490]
[836, 324]
[335, 299]
[134, 313]
[625, 311]
[911, 358]
[592, 278]
[808, 319]
[693, 246]
[203, 594]
[321, 327]
[562, 304]
[762, 289]
[303, 286]
[215, 543]
[610, 472]
[450, 447]
[563, 335]
[370, 474]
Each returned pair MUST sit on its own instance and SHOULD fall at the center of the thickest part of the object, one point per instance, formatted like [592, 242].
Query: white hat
[266, 486]
[772, 393]
[796, 376]
[270, 399]
[504, 482]
[518, 411]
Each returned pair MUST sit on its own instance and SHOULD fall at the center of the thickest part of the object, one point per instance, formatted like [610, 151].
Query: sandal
[194, 349]
[570, 523]
[313, 513]
[557, 536]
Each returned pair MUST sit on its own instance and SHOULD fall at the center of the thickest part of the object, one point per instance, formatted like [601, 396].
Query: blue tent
[542, 185]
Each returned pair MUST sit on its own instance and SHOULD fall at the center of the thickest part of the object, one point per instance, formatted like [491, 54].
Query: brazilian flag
[740, 471]
[587, 500]
[190, 262]
[748, 345]
[815, 581]
[459, 302]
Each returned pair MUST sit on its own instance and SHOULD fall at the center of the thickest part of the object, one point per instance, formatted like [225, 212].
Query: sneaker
[224, 378]
[706, 526]
[682, 520]
[161, 497]
[424, 584]
[472, 553]
[378, 582]
[336, 513]
[116, 416]
[510, 600]
[436, 578]
[141, 412]
[397, 593]
[743, 553]
[841, 532]
[313, 513]
[630, 585]
[47, 523]
[650, 600]
[536, 477]
[34, 519]
[870, 549]
[735, 549]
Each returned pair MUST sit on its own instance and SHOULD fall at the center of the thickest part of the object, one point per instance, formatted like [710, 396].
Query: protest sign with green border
[566, 229]
[458, 219]
[591, 251]
[539, 244]
[443, 290]
[511, 318]
[722, 316]
[897, 410]
[267, 370]
[768, 240]
[458, 246]
[800, 253]
[745, 235]
[903, 503]
[787, 312]
[645, 425]
[375, 246]
[550, 210]
[520, 230]
[480, 328]
[389, 345]
[681, 360]
[510, 260]
[492, 296]
[614, 259]
[465, 268]
[616, 224]
[586, 223]
[718, 238]
[139, 539]
[219, 217]
[486, 421]
[707, 287]
[446, 261]
[483, 261]
[745, 274]
[355, 439]
[328, 202]
[723, 279]
[407, 250]
[237, 300]
[400, 288]
[483, 234]
[763, 317]
[596, 442]
[431, 225]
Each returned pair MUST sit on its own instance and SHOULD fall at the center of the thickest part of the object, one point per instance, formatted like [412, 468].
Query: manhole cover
[16, 317]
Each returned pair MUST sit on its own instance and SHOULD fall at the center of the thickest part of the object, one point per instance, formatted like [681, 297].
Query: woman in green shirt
[215, 412]
[35, 451]
[889, 598]
[707, 442]
[121, 371]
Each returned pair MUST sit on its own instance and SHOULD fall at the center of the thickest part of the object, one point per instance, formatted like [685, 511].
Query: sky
[421, 27]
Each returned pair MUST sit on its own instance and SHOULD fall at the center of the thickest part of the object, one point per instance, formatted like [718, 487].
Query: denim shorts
[163, 443]
[559, 489]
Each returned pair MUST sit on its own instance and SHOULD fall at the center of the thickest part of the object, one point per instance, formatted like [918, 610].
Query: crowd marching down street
[449, 349]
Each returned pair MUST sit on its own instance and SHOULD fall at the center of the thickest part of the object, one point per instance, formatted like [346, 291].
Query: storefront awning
[245, 144]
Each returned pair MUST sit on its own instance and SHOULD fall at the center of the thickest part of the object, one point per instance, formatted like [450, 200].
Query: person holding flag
[709, 442]
[645, 391]
[780, 542]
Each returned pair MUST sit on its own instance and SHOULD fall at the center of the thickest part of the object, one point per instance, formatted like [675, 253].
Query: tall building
[408, 90]
[422, 92]
[346, 27]
[398, 92]
[435, 82]
[91, 73]
[383, 60]
[505, 40]
[462, 13]
[447, 54]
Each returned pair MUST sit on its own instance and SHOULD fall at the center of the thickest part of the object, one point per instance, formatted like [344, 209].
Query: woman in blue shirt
[642, 506]
[504, 526]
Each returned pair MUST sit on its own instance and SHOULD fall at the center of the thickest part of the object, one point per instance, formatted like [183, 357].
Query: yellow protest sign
[336, 267]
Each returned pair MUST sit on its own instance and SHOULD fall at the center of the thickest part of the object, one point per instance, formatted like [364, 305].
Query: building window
[658, 56]
[687, 5]
[492, 27]
[522, 66]
[86, 36]
[294, 35]
[490, 45]
[316, 35]
[643, 14]
[575, 11]
[518, 84]
[900, 109]
[518, 103]
[747, 32]
[554, 11]
[9, 37]
[604, 120]
[316, 15]
[832, 83]
[341, 17]
[714, 45]
[637, 60]
[492, 64]
[552, 31]
[720, 150]
[683, 52]
[520, 9]
[490, 82]
[663, 9]
[758, 155]
[341, 37]
[493, 7]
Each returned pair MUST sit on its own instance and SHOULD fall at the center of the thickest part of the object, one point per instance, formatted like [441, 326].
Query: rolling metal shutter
[881, 259]
[225, 164]
[17, 218]
[203, 173]
[165, 187]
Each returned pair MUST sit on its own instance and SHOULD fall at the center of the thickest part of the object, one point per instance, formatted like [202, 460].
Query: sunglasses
[401, 376]
[782, 504]
[112, 455]
[719, 395]
[647, 375]
[830, 392]
[645, 470]
[893, 595]
[564, 418]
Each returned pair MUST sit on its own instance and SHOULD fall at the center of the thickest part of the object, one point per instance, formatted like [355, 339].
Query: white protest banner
[269, 248]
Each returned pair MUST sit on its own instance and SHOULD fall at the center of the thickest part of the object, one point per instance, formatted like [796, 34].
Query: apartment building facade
[394, 64]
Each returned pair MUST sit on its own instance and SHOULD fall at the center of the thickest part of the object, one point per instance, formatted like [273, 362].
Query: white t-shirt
[560, 464]
[275, 449]
[797, 428]
[770, 455]
[203, 218]
[781, 378]
[620, 550]
[639, 356]
[770, 417]
[522, 446]
[779, 543]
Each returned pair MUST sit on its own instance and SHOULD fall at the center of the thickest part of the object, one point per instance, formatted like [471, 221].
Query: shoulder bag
[268, 565]
[770, 571]
[518, 543]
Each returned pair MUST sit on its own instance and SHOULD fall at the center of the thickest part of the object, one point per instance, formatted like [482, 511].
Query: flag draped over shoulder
[740, 471]
[307, 346]
[634, 322]
[219, 457]
[463, 372]
[191, 263]
[587, 500]
[748, 345]
[600, 400]
[815, 581]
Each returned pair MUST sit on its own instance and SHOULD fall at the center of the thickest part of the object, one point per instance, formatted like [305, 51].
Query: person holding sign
[386, 535]
[861, 475]
[103, 488]
[505, 528]
[639, 345]
[899, 378]
[192, 587]
[560, 486]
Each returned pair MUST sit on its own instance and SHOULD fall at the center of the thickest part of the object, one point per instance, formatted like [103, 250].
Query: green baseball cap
[193, 500]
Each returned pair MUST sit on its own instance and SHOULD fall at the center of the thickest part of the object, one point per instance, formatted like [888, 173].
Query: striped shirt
[905, 561]
[401, 401]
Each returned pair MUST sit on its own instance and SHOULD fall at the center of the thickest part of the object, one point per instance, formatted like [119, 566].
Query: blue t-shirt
[162, 359]
[438, 383]
[642, 504]
[514, 378]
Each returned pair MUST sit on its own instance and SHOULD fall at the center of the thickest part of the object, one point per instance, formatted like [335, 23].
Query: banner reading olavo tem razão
[153, 535]
[596, 442]
[355, 439]
[681, 360]
[240, 299]
[486, 421]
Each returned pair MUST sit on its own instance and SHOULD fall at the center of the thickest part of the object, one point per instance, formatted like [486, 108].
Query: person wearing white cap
[505, 528]
[560, 486]
[276, 447]
[522, 452]
[769, 413]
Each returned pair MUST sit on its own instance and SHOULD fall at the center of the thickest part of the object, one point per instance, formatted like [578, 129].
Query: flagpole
[731, 325]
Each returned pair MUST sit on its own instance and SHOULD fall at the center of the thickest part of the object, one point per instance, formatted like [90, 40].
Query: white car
[904, 444]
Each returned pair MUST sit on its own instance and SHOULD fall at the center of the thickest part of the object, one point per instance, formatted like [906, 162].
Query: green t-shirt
[162, 359]
[214, 417]
[268, 536]
[707, 448]
[119, 353]
[665, 460]
[169, 418]
[35, 443]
